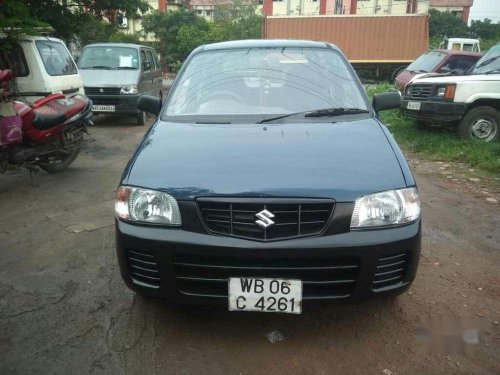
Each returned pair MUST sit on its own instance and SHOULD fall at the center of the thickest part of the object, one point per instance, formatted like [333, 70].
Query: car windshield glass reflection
[264, 81]
[109, 58]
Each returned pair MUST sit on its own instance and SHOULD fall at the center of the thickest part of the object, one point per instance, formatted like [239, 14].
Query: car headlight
[129, 89]
[388, 208]
[146, 206]
[446, 92]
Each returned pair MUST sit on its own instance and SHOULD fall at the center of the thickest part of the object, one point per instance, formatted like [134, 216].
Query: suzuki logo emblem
[101, 90]
[264, 217]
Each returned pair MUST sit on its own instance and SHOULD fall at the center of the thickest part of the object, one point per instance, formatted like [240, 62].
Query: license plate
[415, 106]
[103, 108]
[265, 295]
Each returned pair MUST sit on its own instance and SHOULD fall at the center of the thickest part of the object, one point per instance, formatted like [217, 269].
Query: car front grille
[292, 218]
[322, 278]
[102, 90]
[105, 101]
[421, 91]
[390, 271]
[143, 268]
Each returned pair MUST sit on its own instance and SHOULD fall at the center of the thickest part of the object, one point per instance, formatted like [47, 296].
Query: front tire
[60, 165]
[480, 123]
[141, 118]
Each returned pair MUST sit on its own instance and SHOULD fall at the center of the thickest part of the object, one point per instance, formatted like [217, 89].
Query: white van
[42, 66]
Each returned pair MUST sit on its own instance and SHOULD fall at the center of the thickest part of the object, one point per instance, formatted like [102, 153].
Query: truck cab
[460, 44]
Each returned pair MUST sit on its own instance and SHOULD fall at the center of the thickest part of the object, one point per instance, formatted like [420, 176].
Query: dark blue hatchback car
[267, 180]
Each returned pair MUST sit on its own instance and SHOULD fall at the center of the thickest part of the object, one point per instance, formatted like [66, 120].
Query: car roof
[462, 53]
[130, 45]
[264, 43]
[463, 40]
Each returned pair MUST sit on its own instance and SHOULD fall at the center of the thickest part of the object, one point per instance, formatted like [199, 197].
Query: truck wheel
[141, 118]
[480, 123]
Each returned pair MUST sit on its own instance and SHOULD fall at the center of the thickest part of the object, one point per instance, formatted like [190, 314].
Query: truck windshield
[489, 63]
[264, 81]
[427, 62]
[104, 57]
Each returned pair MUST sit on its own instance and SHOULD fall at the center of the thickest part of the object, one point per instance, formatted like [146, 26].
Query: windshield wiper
[494, 71]
[97, 67]
[419, 71]
[125, 67]
[318, 113]
[335, 112]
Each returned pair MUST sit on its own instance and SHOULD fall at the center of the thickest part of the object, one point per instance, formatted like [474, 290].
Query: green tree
[120, 37]
[485, 29]
[239, 20]
[443, 24]
[15, 18]
[165, 26]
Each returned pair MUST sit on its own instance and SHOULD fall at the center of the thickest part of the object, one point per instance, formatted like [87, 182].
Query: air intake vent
[102, 90]
[287, 218]
[323, 278]
[421, 91]
[390, 271]
[143, 269]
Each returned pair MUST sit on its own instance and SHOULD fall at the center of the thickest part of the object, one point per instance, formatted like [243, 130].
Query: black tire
[141, 118]
[59, 166]
[397, 71]
[480, 123]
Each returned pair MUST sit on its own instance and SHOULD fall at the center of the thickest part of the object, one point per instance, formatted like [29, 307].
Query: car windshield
[489, 63]
[56, 58]
[260, 81]
[104, 57]
[427, 62]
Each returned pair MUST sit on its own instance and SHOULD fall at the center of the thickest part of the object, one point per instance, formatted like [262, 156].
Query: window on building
[458, 13]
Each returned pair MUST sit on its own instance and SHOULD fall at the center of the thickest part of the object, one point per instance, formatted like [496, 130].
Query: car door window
[149, 59]
[157, 62]
[13, 58]
[144, 60]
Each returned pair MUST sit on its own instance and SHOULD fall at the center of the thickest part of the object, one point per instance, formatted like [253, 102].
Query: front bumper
[435, 111]
[124, 104]
[194, 266]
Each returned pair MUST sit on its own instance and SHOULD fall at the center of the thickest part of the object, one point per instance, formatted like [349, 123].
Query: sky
[485, 9]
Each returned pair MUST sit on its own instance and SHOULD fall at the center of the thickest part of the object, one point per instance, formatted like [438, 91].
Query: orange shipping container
[363, 39]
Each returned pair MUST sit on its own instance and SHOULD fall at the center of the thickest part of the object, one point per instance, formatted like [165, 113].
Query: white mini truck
[471, 102]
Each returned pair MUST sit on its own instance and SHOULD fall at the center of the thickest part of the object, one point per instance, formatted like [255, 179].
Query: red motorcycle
[46, 134]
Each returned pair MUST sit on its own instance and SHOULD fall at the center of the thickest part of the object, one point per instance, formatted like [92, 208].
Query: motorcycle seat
[44, 122]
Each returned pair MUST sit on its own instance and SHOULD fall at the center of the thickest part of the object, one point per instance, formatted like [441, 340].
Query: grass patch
[438, 144]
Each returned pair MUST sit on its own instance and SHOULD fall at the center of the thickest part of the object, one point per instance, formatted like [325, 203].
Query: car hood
[342, 160]
[457, 79]
[108, 78]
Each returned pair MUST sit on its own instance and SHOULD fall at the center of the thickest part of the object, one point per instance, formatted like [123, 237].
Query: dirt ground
[64, 308]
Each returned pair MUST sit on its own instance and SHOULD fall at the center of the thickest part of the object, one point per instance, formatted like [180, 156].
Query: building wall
[383, 7]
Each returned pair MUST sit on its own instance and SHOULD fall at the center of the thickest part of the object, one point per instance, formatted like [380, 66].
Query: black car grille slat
[205, 275]
[390, 271]
[143, 268]
[421, 91]
[102, 90]
[291, 220]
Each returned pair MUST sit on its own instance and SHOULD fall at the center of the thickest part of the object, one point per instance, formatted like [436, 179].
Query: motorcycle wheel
[60, 165]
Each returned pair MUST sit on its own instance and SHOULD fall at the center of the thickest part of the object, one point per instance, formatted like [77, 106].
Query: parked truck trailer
[384, 45]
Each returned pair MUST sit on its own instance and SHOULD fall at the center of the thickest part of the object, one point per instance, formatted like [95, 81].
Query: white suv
[470, 102]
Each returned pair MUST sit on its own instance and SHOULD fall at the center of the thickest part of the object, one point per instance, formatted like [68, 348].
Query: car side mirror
[149, 104]
[146, 65]
[386, 100]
